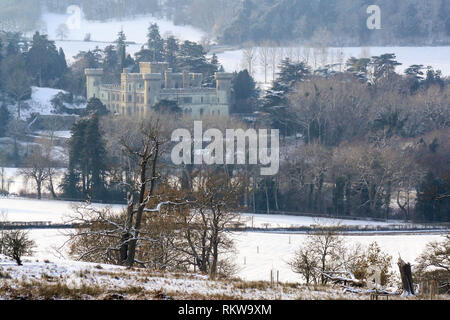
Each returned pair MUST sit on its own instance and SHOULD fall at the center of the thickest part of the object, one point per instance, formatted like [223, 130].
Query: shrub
[16, 244]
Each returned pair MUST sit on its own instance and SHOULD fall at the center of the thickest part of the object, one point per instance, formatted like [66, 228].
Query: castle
[139, 92]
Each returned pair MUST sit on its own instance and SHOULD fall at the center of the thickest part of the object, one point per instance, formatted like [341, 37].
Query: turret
[93, 82]
[152, 86]
[223, 86]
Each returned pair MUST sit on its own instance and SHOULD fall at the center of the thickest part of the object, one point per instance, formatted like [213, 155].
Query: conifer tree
[155, 43]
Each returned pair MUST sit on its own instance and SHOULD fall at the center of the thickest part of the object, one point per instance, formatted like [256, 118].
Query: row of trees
[412, 22]
[369, 138]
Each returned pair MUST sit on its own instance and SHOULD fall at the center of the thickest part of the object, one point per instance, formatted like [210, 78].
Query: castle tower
[93, 82]
[223, 87]
[152, 87]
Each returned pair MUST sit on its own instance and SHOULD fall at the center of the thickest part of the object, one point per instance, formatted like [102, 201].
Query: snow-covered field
[257, 253]
[275, 250]
[19, 209]
[134, 28]
[50, 279]
[15, 183]
[28, 210]
[283, 221]
[437, 57]
[104, 33]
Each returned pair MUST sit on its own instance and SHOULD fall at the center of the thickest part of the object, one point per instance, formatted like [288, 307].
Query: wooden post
[278, 277]
[433, 289]
[406, 275]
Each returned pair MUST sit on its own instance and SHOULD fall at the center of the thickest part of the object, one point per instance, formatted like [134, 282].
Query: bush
[434, 264]
[16, 244]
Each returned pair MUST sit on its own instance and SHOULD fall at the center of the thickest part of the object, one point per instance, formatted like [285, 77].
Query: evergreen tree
[430, 207]
[192, 57]
[5, 117]
[87, 165]
[13, 47]
[155, 43]
[275, 102]
[121, 47]
[95, 106]
[384, 66]
[95, 152]
[1, 50]
[358, 67]
[245, 92]
[171, 52]
[44, 63]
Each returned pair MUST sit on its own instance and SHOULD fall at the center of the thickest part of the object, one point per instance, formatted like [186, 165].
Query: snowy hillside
[40, 102]
[85, 281]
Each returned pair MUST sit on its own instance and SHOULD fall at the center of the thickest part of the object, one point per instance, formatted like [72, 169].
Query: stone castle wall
[139, 92]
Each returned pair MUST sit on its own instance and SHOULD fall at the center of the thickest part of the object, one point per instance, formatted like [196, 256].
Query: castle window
[202, 99]
[201, 111]
[187, 100]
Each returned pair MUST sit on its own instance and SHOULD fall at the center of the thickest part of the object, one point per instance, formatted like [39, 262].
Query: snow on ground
[275, 250]
[437, 57]
[283, 221]
[15, 183]
[259, 253]
[104, 33]
[94, 281]
[135, 29]
[28, 210]
[40, 102]
[58, 134]
[41, 210]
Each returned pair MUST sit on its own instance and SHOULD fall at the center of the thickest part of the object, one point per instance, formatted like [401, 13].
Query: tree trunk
[406, 275]
[39, 193]
[51, 187]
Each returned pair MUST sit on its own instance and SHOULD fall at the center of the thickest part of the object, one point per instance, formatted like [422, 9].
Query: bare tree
[263, 53]
[62, 32]
[36, 168]
[249, 58]
[215, 199]
[274, 60]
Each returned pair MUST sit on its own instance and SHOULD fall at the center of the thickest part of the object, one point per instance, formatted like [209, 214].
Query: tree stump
[406, 275]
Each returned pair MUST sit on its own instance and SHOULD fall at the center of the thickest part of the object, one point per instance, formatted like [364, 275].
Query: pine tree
[5, 117]
[155, 43]
[87, 165]
[171, 52]
[95, 152]
[44, 62]
[275, 102]
[121, 47]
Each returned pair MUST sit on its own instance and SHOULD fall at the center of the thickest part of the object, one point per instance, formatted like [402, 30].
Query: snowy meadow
[256, 254]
